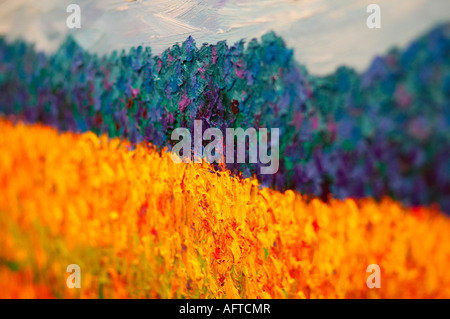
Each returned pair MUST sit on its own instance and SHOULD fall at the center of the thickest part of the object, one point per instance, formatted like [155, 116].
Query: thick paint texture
[384, 132]
[141, 226]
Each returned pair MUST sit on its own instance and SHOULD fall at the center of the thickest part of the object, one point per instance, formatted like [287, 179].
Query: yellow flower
[141, 226]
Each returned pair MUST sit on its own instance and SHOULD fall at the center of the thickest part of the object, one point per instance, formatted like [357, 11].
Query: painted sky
[323, 33]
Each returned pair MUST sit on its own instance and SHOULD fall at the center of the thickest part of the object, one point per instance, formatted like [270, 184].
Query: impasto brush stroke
[324, 34]
[141, 226]
[384, 132]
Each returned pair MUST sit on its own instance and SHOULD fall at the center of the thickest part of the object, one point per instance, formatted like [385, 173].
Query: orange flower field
[140, 225]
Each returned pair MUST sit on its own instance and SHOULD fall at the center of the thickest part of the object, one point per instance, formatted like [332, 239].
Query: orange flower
[141, 226]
